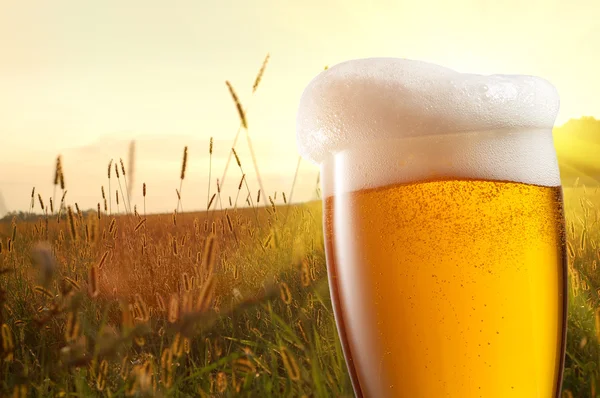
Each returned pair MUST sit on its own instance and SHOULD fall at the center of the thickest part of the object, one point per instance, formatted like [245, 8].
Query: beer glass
[444, 227]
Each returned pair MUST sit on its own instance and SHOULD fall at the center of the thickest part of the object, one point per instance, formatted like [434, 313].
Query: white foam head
[416, 112]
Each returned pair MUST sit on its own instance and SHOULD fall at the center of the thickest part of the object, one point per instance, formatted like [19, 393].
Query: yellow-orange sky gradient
[82, 78]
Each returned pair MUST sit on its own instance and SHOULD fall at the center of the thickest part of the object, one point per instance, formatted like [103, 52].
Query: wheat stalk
[239, 163]
[139, 224]
[209, 256]
[93, 288]
[144, 193]
[62, 178]
[72, 229]
[109, 191]
[120, 189]
[79, 214]
[290, 364]
[128, 203]
[260, 74]
[173, 310]
[42, 203]
[32, 202]
[243, 113]
[210, 152]
[239, 189]
[57, 172]
[182, 176]
[238, 105]
[206, 295]
[218, 197]
[211, 201]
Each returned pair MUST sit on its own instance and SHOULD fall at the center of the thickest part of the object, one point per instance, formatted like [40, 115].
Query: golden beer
[444, 228]
[450, 288]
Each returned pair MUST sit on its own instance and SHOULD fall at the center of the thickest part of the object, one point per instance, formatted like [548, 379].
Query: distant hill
[577, 144]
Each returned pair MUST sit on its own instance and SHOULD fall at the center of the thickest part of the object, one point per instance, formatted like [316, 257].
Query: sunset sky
[83, 78]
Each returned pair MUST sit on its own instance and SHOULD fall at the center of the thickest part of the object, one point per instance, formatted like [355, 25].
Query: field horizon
[576, 142]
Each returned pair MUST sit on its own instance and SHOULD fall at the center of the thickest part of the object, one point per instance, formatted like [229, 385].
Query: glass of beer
[444, 227]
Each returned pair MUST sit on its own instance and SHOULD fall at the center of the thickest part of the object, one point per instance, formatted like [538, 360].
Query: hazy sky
[83, 78]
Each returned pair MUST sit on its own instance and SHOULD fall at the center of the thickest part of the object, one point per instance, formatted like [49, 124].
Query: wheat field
[230, 302]
[208, 304]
